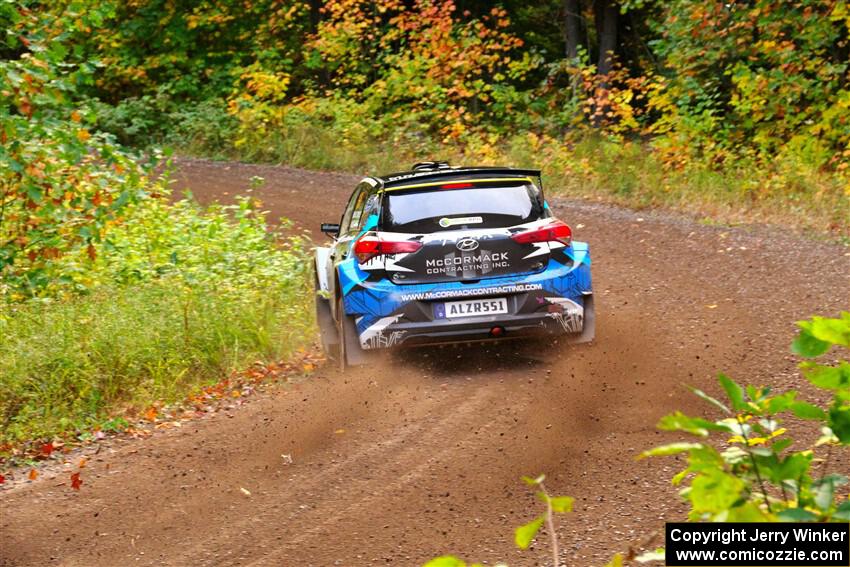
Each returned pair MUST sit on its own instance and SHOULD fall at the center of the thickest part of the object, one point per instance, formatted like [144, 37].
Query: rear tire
[350, 352]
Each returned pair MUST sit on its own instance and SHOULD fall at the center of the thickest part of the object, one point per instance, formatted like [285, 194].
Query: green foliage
[756, 477]
[772, 82]
[392, 70]
[452, 561]
[150, 121]
[60, 184]
[178, 298]
[189, 50]
[202, 249]
[111, 297]
[525, 534]
[818, 335]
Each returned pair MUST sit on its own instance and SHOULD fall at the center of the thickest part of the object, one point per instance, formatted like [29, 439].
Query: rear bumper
[537, 314]
[496, 327]
[551, 302]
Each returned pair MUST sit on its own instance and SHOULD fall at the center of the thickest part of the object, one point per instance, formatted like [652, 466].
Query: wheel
[350, 351]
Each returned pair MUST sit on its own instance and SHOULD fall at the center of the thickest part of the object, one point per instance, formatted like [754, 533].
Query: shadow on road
[481, 359]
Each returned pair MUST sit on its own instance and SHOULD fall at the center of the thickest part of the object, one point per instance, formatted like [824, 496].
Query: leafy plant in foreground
[757, 477]
[525, 534]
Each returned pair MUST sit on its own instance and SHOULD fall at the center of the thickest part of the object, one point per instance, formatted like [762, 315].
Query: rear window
[452, 209]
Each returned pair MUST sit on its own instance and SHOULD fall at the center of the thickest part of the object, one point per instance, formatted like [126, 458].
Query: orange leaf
[33, 474]
[150, 415]
[76, 481]
[82, 462]
[25, 108]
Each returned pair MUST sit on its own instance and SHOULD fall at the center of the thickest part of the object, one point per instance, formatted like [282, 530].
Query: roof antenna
[429, 165]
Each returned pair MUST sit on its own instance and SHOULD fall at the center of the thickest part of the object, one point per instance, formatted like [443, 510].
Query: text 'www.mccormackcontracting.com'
[738, 544]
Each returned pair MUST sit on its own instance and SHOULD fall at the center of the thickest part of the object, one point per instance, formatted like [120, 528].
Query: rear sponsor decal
[446, 222]
[469, 292]
[484, 262]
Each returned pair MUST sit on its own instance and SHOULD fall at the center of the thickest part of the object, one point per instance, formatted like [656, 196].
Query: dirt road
[423, 455]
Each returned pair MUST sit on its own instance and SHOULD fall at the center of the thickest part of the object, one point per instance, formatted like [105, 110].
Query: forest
[736, 110]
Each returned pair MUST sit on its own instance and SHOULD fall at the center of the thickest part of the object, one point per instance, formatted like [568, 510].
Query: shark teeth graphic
[391, 263]
[374, 336]
[571, 318]
[540, 248]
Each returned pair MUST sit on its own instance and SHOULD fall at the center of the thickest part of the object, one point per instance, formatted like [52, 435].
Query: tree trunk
[315, 15]
[571, 27]
[606, 26]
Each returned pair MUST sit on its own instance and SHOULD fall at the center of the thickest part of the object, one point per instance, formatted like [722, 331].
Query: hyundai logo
[467, 245]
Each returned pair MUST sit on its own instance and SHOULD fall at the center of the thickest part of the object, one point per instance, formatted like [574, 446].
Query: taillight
[556, 230]
[368, 247]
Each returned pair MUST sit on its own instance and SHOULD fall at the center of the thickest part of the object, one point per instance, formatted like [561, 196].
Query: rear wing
[407, 179]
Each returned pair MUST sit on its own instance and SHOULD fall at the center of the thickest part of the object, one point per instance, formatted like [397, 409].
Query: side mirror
[331, 229]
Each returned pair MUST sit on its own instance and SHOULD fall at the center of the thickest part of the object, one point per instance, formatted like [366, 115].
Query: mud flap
[324, 317]
[355, 355]
[351, 353]
[588, 331]
[327, 329]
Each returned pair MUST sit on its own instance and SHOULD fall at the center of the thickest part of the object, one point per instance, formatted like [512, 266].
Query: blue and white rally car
[444, 254]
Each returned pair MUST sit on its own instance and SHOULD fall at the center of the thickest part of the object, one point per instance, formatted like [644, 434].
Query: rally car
[443, 254]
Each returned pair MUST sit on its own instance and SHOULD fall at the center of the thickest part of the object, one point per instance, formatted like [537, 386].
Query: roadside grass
[70, 365]
[180, 298]
[628, 173]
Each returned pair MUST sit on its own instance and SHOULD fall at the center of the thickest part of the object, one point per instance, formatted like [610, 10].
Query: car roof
[441, 172]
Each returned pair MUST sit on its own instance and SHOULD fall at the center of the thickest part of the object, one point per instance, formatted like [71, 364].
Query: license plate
[470, 308]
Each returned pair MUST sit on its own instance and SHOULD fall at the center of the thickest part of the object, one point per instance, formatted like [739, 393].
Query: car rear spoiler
[400, 179]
